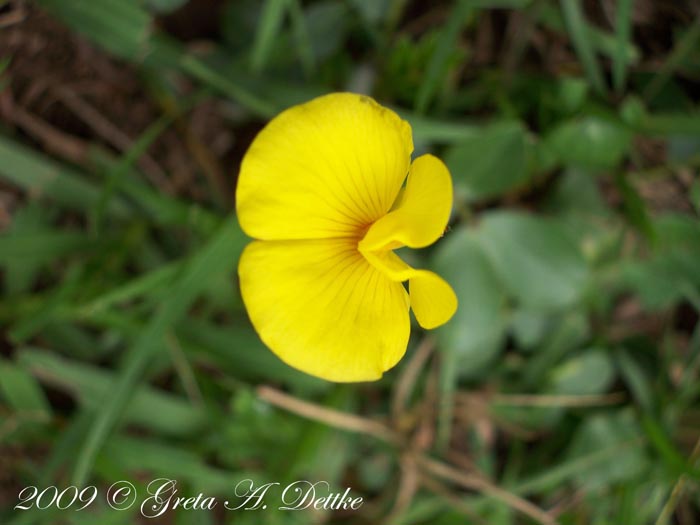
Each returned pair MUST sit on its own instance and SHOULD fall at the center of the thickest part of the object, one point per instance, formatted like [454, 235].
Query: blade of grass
[678, 490]
[218, 82]
[269, 26]
[42, 246]
[674, 460]
[149, 408]
[214, 258]
[125, 165]
[623, 28]
[122, 26]
[301, 36]
[160, 209]
[141, 285]
[431, 130]
[576, 24]
[686, 45]
[40, 176]
[437, 66]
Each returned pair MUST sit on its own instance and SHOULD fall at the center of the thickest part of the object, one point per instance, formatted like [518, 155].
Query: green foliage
[568, 376]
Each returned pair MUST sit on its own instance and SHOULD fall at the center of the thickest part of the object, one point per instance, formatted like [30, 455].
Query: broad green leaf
[535, 258]
[491, 162]
[21, 391]
[476, 332]
[600, 432]
[590, 142]
[672, 271]
[590, 373]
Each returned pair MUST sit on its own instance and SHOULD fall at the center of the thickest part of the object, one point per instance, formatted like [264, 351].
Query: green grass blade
[301, 37]
[150, 408]
[437, 66]
[126, 163]
[267, 32]
[578, 32]
[683, 48]
[623, 29]
[218, 82]
[215, 257]
[40, 176]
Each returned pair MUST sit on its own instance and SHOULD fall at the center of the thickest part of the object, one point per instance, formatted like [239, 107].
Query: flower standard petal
[322, 308]
[326, 168]
[422, 213]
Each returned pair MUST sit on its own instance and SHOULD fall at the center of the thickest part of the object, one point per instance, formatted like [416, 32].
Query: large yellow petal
[422, 214]
[326, 168]
[432, 299]
[322, 308]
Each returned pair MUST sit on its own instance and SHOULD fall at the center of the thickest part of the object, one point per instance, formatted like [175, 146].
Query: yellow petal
[422, 214]
[322, 308]
[432, 299]
[326, 168]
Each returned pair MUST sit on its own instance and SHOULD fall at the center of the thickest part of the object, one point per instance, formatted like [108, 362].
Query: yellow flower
[321, 190]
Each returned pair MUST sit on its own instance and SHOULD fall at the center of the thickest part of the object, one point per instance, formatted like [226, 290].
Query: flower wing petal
[432, 299]
[323, 169]
[322, 308]
[422, 214]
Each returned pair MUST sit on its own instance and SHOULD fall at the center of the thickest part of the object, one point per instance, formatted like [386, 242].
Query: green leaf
[476, 332]
[591, 142]
[603, 431]
[535, 258]
[491, 162]
[21, 390]
[588, 374]
[671, 271]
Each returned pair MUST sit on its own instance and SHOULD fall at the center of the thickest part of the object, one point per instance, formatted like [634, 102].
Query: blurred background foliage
[565, 390]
